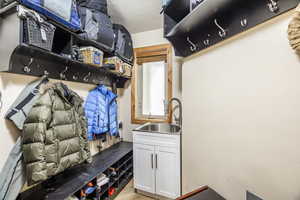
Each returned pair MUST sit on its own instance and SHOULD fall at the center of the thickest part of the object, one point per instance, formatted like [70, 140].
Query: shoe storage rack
[118, 159]
[214, 21]
[16, 56]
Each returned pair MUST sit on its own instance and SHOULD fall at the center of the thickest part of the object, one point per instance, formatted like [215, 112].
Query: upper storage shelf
[198, 16]
[178, 9]
[213, 21]
[19, 57]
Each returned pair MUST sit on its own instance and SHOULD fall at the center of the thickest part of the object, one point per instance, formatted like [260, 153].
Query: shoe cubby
[74, 180]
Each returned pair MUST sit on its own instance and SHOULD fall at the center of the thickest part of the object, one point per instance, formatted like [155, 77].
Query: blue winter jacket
[101, 112]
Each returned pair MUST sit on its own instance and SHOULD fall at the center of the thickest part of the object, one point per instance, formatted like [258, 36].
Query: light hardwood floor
[129, 194]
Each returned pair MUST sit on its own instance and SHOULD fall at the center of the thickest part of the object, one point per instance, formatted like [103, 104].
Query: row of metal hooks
[63, 74]
[273, 6]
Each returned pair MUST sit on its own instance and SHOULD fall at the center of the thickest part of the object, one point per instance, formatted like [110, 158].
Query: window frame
[151, 54]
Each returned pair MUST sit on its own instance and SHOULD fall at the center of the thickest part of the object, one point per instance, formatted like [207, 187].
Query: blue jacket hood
[106, 92]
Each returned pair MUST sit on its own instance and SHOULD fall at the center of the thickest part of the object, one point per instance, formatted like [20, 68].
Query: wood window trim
[164, 50]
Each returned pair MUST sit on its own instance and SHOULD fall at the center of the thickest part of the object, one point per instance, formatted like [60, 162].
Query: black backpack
[97, 26]
[123, 44]
[97, 5]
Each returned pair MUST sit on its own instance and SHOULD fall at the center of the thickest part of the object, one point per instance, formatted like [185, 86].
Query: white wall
[241, 128]
[144, 39]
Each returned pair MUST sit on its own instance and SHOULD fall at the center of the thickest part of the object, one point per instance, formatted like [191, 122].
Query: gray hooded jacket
[13, 172]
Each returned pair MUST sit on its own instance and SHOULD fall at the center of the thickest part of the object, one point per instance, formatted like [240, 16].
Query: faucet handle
[176, 119]
[166, 106]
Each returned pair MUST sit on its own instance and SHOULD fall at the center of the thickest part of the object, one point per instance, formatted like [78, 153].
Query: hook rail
[58, 67]
[187, 30]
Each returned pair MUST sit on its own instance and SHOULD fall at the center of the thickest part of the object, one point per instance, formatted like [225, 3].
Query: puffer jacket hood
[54, 134]
[107, 93]
[101, 112]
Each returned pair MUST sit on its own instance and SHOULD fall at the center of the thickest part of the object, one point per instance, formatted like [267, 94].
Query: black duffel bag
[97, 26]
[123, 44]
[97, 5]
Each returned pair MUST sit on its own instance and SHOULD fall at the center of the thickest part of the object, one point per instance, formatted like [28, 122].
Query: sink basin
[163, 128]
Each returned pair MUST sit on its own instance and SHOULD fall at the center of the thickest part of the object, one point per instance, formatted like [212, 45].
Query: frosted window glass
[154, 88]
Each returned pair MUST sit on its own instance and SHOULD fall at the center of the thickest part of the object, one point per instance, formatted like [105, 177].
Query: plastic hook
[222, 31]
[193, 47]
[273, 6]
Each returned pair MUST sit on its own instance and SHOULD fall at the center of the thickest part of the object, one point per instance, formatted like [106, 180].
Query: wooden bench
[203, 193]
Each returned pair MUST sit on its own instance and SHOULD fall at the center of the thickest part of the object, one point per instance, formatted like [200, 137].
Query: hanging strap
[26, 100]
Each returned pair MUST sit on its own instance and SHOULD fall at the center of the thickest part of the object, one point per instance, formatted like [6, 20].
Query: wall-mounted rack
[214, 21]
[16, 56]
[33, 61]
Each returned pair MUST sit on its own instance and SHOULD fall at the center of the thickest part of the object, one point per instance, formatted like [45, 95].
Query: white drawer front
[156, 139]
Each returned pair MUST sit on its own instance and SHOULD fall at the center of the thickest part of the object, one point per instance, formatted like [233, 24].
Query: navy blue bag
[63, 12]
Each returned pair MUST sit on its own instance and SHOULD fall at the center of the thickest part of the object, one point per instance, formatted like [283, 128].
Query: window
[151, 84]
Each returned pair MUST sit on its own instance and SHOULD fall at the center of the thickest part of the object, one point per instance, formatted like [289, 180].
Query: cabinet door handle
[152, 160]
[156, 161]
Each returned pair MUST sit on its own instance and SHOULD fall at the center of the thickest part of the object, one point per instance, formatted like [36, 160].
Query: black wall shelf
[20, 58]
[29, 60]
[216, 20]
[119, 156]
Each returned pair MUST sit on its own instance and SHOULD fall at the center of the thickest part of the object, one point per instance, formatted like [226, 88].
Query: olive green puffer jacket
[54, 134]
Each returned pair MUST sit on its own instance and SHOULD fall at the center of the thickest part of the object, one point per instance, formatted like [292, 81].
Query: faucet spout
[180, 109]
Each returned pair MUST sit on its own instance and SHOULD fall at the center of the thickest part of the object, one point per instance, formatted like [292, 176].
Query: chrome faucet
[178, 120]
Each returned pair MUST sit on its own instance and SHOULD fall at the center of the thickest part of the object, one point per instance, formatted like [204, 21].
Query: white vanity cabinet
[157, 164]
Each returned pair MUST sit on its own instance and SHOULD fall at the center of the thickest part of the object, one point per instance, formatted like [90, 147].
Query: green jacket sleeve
[33, 142]
[83, 123]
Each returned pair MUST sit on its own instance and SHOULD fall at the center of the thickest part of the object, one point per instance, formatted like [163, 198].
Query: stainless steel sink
[163, 128]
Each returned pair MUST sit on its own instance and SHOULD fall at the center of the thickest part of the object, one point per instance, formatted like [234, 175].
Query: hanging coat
[54, 134]
[101, 112]
[12, 174]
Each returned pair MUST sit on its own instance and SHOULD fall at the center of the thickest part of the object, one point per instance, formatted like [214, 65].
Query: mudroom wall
[10, 86]
[143, 39]
[241, 128]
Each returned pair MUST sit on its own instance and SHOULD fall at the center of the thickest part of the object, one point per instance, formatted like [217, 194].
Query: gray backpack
[166, 2]
[98, 5]
[97, 26]
[4, 3]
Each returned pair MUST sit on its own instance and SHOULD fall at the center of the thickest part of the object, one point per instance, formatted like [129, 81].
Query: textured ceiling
[136, 15]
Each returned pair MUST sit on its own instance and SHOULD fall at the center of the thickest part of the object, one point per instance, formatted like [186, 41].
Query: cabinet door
[144, 172]
[167, 165]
